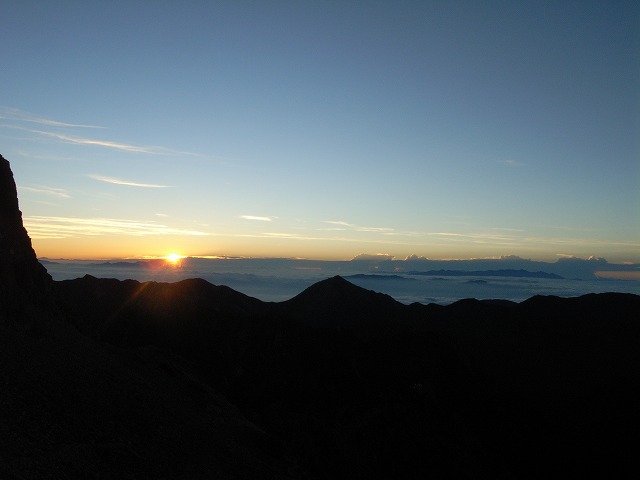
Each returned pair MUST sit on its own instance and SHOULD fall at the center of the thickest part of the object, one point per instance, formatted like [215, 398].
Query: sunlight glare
[173, 258]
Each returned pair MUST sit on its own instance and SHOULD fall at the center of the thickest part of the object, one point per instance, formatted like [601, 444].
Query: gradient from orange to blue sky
[324, 129]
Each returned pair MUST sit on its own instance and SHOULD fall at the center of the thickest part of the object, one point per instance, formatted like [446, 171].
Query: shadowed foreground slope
[355, 383]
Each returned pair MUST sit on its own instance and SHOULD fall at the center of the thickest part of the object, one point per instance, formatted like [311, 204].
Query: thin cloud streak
[128, 183]
[528, 240]
[257, 218]
[374, 229]
[403, 234]
[83, 141]
[291, 236]
[51, 191]
[358, 228]
[49, 204]
[513, 163]
[503, 238]
[342, 226]
[16, 114]
[41, 227]
[339, 222]
[100, 143]
[282, 235]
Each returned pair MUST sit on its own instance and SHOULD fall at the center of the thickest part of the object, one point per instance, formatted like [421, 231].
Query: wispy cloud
[358, 228]
[515, 238]
[49, 204]
[126, 147]
[284, 235]
[374, 229]
[16, 119]
[388, 232]
[100, 143]
[51, 191]
[129, 183]
[40, 227]
[479, 237]
[403, 234]
[13, 114]
[257, 218]
[504, 229]
[338, 222]
[512, 163]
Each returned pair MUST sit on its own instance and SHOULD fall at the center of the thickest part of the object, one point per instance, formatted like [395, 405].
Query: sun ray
[173, 258]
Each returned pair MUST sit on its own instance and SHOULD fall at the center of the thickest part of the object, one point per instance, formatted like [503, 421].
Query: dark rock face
[24, 282]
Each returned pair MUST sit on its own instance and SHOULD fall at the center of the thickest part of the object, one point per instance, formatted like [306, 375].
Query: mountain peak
[336, 302]
[333, 288]
[336, 283]
[8, 192]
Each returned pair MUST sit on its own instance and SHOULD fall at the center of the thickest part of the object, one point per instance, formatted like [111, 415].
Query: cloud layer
[41, 227]
[257, 218]
[128, 183]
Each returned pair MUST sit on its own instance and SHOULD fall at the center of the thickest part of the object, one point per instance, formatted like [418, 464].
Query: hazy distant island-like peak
[509, 265]
[520, 273]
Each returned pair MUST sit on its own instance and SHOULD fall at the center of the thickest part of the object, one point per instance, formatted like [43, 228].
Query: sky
[322, 129]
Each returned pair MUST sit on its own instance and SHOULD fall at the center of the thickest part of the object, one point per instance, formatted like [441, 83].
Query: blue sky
[324, 129]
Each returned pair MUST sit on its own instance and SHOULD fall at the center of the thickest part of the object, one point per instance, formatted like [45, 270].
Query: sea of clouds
[273, 279]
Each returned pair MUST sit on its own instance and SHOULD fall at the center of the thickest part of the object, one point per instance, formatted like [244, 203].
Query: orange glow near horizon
[173, 258]
[110, 247]
[625, 275]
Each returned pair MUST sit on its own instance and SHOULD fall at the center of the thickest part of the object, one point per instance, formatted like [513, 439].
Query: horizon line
[368, 258]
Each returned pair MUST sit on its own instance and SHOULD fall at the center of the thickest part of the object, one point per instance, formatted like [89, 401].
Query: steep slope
[24, 282]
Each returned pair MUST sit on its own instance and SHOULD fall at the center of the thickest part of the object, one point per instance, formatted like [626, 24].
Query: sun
[173, 258]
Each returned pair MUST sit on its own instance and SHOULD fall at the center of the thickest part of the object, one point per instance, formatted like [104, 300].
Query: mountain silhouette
[102, 378]
[335, 302]
[520, 273]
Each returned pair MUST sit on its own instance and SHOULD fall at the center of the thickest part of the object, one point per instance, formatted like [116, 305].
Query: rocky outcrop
[24, 283]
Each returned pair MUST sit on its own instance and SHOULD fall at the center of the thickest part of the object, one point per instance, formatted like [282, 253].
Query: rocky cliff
[24, 283]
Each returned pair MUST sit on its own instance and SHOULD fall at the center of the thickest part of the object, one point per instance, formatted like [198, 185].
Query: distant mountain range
[105, 378]
[566, 267]
[487, 273]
